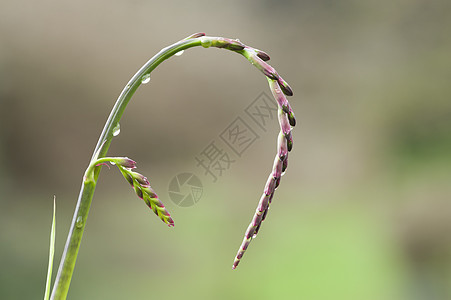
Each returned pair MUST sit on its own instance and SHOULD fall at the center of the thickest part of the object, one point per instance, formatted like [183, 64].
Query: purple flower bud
[263, 55]
[229, 44]
[290, 114]
[125, 162]
[149, 191]
[278, 95]
[140, 178]
[264, 215]
[270, 184]
[235, 45]
[155, 211]
[278, 179]
[250, 231]
[282, 147]
[285, 164]
[257, 219]
[291, 118]
[266, 69]
[286, 108]
[284, 123]
[139, 192]
[264, 202]
[289, 141]
[277, 167]
[286, 89]
[246, 244]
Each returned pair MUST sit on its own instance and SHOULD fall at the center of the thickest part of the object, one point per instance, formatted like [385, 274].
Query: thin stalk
[69, 257]
[256, 57]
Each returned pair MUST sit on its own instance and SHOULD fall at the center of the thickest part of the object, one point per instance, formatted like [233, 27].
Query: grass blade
[51, 254]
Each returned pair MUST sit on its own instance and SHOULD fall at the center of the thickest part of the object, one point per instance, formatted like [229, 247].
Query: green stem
[67, 264]
[68, 259]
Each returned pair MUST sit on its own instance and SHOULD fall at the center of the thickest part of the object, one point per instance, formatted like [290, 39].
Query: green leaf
[51, 254]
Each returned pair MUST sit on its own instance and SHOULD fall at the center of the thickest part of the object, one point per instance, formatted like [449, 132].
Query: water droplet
[79, 222]
[238, 40]
[113, 163]
[283, 173]
[205, 42]
[145, 79]
[179, 53]
[117, 130]
[254, 236]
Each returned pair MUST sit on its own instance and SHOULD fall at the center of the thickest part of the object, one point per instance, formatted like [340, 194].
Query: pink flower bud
[265, 68]
[285, 164]
[140, 178]
[289, 141]
[139, 192]
[250, 231]
[284, 123]
[257, 219]
[263, 55]
[264, 202]
[270, 184]
[277, 168]
[282, 147]
[229, 44]
[277, 94]
[149, 191]
[286, 89]
[292, 118]
[125, 162]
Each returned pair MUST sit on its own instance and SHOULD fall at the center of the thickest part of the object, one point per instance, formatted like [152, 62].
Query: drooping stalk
[67, 263]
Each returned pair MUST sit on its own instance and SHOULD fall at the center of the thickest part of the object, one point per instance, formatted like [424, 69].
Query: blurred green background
[363, 212]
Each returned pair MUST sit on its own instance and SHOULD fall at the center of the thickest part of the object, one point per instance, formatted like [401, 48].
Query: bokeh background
[363, 212]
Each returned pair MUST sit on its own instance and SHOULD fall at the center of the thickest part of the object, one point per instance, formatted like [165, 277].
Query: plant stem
[68, 259]
[67, 263]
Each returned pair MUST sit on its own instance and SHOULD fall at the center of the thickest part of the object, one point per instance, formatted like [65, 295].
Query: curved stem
[67, 263]
[68, 259]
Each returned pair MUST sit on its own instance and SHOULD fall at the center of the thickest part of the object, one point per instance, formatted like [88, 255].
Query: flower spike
[279, 89]
[138, 182]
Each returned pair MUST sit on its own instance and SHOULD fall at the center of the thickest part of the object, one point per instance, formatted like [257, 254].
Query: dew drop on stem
[205, 42]
[117, 130]
[179, 53]
[79, 222]
[145, 79]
